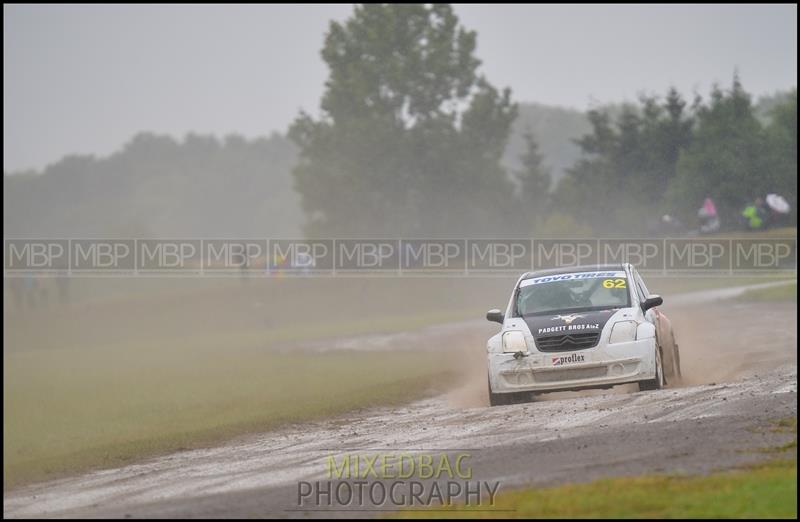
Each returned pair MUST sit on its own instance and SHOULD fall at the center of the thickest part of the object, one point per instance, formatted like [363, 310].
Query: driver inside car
[547, 297]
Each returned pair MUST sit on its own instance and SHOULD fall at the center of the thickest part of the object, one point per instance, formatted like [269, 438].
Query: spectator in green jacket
[755, 215]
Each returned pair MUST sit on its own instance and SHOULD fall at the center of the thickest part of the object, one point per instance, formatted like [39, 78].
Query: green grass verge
[780, 232]
[787, 425]
[80, 409]
[768, 490]
[787, 292]
[674, 285]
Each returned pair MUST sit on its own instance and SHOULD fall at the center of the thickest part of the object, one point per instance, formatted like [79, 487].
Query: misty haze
[243, 244]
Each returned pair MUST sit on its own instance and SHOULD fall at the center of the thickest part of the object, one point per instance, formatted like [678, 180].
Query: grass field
[118, 374]
[780, 232]
[81, 409]
[128, 368]
[667, 286]
[775, 293]
[768, 490]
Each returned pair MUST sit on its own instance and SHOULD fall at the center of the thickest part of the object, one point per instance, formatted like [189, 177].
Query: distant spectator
[755, 214]
[709, 219]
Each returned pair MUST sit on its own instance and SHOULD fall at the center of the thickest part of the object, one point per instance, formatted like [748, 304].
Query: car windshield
[582, 291]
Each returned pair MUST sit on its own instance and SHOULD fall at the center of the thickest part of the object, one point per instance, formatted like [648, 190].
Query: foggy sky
[84, 79]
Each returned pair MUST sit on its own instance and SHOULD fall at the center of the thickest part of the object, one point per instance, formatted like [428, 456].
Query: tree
[726, 160]
[410, 136]
[781, 135]
[534, 180]
[596, 189]
[627, 162]
[555, 129]
[161, 187]
[667, 131]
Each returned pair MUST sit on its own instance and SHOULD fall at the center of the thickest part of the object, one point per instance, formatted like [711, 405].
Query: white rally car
[578, 328]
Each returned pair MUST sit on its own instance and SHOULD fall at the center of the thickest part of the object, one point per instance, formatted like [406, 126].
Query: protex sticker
[568, 359]
[570, 277]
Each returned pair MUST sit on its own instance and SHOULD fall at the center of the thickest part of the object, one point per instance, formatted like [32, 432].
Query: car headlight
[514, 342]
[623, 332]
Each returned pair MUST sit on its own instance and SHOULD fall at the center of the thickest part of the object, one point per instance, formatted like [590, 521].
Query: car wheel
[504, 399]
[658, 382]
[497, 399]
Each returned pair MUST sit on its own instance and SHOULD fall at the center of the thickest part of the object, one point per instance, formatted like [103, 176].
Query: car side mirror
[651, 301]
[494, 315]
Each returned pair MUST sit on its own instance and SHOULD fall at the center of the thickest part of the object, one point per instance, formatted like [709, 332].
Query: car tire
[504, 399]
[497, 399]
[658, 382]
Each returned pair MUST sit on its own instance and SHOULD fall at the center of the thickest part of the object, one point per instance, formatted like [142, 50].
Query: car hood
[578, 322]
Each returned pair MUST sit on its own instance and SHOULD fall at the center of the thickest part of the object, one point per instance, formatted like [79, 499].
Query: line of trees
[157, 186]
[664, 157]
[410, 142]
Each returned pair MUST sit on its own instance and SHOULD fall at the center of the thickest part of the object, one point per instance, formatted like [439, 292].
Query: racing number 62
[613, 283]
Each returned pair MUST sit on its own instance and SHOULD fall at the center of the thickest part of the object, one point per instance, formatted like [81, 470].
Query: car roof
[574, 269]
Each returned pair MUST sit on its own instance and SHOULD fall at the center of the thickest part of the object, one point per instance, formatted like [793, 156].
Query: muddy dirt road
[740, 369]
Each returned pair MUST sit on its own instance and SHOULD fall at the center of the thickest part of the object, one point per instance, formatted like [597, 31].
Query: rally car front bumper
[602, 366]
